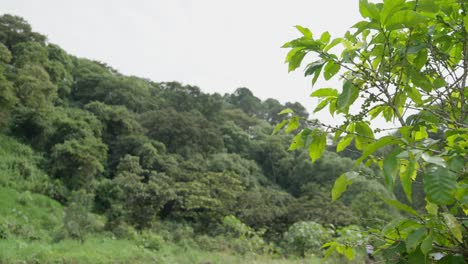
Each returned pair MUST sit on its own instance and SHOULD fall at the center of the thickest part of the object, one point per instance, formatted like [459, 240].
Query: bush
[305, 238]
[77, 221]
[246, 239]
[150, 241]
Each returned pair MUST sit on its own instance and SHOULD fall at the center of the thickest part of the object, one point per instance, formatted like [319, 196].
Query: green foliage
[33, 88]
[147, 170]
[304, 238]
[77, 220]
[78, 161]
[135, 195]
[405, 56]
[14, 29]
[251, 239]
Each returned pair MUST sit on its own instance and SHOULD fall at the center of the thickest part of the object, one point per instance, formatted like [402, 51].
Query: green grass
[28, 222]
[105, 250]
[28, 215]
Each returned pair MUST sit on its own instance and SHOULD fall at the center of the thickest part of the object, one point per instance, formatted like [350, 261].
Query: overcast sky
[214, 44]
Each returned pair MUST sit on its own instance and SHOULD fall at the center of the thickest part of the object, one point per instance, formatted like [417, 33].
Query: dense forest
[88, 154]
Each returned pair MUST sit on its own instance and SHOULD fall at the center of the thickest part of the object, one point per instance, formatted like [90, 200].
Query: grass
[28, 222]
[99, 249]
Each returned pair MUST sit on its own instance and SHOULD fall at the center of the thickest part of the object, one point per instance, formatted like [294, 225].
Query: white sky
[214, 44]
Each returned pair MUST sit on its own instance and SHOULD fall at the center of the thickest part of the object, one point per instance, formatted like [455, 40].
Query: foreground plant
[405, 63]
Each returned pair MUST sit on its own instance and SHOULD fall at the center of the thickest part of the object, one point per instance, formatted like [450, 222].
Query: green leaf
[390, 168]
[341, 184]
[295, 60]
[347, 97]
[325, 37]
[331, 68]
[280, 126]
[404, 19]
[344, 142]
[332, 44]
[415, 95]
[407, 174]
[318, 144]
[349, 253]
[291, 53]
[400, 206]
[390, 7]
[324, 92]
[434, 160]
[293, 124]
[454, 226]
[368, 10]
[286, 111]
[439, 184]
[305, 31]
[314, 67]
[426, 245]
[297, 142]
[321, 105]
[414, 239]
[369, 149]
[366, 136]
[465, 22]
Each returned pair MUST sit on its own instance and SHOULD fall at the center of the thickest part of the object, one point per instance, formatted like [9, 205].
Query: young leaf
[305, 31]
[293, 124]
[404, 19]
[331, 68]
[318, 144]
[279, 126]
[344, 142]
[368, 10]
[324, 92]
[407, 174]
[325, 37]
[322, 105]
[286, 111]
[332, 44]
[341, 184]
[390, 7]
[297, 142]
[295, 60]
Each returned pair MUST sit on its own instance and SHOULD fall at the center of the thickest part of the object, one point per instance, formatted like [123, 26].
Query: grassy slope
[29, 222]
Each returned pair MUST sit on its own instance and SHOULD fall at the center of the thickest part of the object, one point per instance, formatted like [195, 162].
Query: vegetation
[407, 63]
[96, 166]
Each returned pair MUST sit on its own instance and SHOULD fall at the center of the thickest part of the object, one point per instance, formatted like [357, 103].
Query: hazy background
[216, 45]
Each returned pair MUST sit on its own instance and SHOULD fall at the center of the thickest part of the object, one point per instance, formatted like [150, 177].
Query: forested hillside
[87, 153]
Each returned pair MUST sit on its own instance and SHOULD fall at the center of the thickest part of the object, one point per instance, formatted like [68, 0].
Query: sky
[214, 44]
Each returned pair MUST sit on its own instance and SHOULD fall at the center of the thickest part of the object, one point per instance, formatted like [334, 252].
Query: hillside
[132, 169]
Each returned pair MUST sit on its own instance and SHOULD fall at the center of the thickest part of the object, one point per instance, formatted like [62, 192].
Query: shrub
[304, 238]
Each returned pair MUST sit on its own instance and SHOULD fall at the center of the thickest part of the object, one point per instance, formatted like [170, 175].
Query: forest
[88, 153]
[100, 167]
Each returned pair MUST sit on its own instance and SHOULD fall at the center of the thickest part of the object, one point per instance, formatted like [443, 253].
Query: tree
[7, 97]
[33, 88]
[14, 29]
[245, 100]
[78, 161]
[407, 62]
